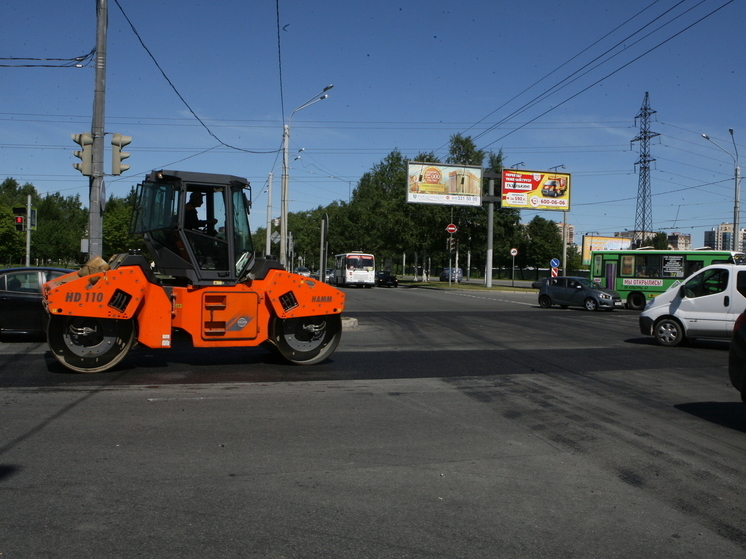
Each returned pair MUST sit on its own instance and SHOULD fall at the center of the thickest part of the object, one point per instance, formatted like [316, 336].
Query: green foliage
[543, 242]
[659, 241]
[12, 242]
[61, 224]
[116, 222]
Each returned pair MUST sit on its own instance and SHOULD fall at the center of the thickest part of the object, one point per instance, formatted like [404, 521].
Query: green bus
[641, 274]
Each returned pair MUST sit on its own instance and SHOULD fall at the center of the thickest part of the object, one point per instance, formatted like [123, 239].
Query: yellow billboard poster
[596, 243]
[436, 183]
[535, 190]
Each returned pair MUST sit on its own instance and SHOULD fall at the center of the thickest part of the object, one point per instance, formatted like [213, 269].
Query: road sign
[554, 263]
[451, 228]
[554, 272]
[513, 251]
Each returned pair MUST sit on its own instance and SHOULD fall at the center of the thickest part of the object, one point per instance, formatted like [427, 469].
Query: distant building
[570, 232]
[634, 234]
[721, 237]
[679, 241]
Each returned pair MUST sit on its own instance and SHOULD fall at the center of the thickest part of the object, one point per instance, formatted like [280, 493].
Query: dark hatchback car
[21, 309]
[578, 292]
[737, 357]
[386, 279]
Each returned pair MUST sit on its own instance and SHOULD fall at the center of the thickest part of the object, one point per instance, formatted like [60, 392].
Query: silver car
[578, 292]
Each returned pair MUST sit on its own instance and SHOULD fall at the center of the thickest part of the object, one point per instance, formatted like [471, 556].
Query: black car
[737, 357]
[21, 309]
[386, 279]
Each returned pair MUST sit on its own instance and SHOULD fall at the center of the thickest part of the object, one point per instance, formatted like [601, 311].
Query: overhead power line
[180, 96]
[75, 62]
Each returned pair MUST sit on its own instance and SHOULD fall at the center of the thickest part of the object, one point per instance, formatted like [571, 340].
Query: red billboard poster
[535, 190]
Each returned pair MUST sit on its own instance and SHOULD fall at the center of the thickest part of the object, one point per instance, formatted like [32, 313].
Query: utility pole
[97, 193]
[268, 240]
[490, 199]
[644, 213]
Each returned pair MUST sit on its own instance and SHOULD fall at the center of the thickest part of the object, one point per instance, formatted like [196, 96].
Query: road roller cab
[204, 280]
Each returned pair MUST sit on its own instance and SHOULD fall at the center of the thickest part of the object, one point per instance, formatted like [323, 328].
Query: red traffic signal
[19, 222]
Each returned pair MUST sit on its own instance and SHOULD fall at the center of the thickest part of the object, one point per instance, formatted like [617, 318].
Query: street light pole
[737, 201]
[284, 198]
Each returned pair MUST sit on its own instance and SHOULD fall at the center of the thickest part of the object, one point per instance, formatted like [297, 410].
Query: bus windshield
[360, 262]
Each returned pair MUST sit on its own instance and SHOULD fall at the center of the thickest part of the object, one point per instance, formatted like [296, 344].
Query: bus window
[628, 266]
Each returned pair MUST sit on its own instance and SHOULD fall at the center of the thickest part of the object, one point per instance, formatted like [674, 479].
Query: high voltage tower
[644, 214]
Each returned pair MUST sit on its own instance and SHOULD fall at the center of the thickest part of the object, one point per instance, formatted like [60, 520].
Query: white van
[704, 305]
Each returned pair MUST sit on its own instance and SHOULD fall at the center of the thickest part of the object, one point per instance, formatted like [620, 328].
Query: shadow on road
[726, 414]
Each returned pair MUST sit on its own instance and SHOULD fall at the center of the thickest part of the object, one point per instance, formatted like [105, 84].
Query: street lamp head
[328, 87]
[731, 131]
[705, 136]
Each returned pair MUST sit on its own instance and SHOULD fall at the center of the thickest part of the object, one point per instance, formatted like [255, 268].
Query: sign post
[513, 253]
[554, 263]
[451, 229]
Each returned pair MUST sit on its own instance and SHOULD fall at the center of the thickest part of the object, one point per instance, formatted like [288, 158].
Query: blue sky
[407, 75]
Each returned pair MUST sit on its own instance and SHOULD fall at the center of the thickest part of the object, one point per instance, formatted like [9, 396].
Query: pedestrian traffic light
[19, 222]
[85, 141]
[118, 141]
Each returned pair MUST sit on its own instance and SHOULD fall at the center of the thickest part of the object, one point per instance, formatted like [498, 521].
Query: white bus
[355, 268]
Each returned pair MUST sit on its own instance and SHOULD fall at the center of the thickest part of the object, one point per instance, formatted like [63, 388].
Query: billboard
[436, 183]
[602, 243]
[535, 190]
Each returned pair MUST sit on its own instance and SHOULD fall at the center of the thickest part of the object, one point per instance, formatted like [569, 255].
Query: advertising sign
[591, 244]
[452, 185]
[535, 190]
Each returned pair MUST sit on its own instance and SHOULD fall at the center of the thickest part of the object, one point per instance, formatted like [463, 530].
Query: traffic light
[85, 141]
[118, 141]
[452, 244]
[19, 217]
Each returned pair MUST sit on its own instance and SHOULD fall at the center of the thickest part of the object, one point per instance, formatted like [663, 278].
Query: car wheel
[636, 301]
[545, 302]
[668, 332]
[590, 304]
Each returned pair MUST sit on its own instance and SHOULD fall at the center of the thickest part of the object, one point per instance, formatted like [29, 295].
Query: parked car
[539, 282]
[386, 279]
[457, 274]
[567, 291]
[300, 270]
[737, 356]
[21, 309]
[705, 305]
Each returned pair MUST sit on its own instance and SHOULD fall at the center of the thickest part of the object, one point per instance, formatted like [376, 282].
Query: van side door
[704, 307]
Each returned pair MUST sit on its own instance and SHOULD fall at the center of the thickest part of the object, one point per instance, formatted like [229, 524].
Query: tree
[61, 224]
[116, 226]
[12, 242]
[544, 242]
[659, 241]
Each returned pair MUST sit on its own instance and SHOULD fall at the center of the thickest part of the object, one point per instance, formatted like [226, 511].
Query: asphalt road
[448, 424]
